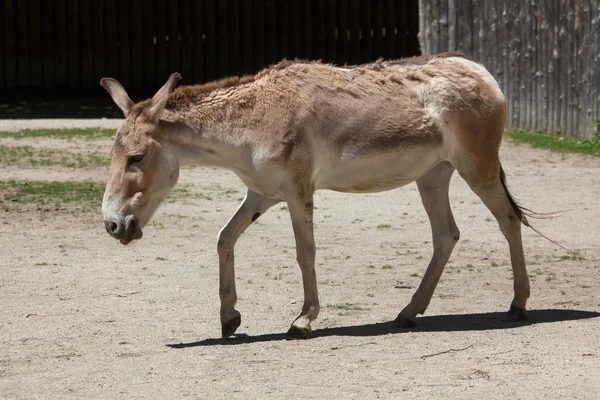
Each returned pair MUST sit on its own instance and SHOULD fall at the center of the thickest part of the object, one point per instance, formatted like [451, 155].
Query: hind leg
[489, 187]
[433, 188]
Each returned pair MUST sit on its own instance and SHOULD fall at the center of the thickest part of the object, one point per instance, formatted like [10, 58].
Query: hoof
[229, 327]
[517, 314]
[402, 322]
[298, 333]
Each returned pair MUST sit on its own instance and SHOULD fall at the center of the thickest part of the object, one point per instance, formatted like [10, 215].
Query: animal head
[143, 168]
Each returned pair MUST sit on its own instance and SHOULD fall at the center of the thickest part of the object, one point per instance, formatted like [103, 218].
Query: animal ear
[159, 101]
[118, 94]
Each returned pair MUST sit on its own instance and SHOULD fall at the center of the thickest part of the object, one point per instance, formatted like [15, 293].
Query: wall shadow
[441, 323]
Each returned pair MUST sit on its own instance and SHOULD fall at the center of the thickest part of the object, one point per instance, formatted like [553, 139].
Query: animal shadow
[439, 323]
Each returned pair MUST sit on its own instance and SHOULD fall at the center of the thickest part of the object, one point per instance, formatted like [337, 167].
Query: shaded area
[61, 103]
[441, 323]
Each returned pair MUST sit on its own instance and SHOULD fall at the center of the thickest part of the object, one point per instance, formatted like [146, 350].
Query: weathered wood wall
[544, 53]
[73, 43]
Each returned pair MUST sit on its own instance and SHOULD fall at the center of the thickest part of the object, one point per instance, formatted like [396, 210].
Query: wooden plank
[1, 46]
[259, 34]
[271, 32]
[235, 47]
[378, 11]
[173, 44]
[402, 9]
[319, 34]
[198, 43]
[247, 41]
[135, 30]
[86, 61]
[330, 31]
[98, 42]
[283, 30]
[307, 27]
[343, 29]
[161, 48]
[296, 30]
[111, 47]
[210, 58]
[36, 56]
[354, 11]
[124, 40]
[223, 39]
[185, 29]
[390, 30]
[148, 33]
[10, 43]
[366, 27]
[23, 67]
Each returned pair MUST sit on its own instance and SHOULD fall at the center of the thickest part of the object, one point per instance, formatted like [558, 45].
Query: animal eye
[136, 158]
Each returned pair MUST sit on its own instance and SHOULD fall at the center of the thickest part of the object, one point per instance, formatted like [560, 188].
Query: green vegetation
[23, 192]
[87, 133]
[30, 156]
[557, 143]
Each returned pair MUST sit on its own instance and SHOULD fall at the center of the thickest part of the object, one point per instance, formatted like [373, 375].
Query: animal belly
[374, 173]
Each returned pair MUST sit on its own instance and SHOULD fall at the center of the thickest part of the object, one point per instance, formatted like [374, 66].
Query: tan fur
[299, 126]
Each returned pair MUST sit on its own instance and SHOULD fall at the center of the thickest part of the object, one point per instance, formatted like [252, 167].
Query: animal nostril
[113, 227]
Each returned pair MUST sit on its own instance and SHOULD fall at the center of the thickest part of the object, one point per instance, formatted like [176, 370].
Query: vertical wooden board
[343, 32]
[111, 47]
[85, 44]
[23, 71]
[223, 39]
[390, 29]
[331, 31]
[259, 34]
[247, 40]
[307, 28]
[354, 28]
[402, 38]
[10, 42]
[366, 28]
[161, 48]
[135, 29]
[296, 30]
[36, 55]
[124, 40]
[148, 34]
[235, 29]
[174, 43]
[319, 35]
[48, 42]
[271, 32]
[1, 46]
[73, 43]
[283, 29]
[210, 57]
[378, 25]
[61, 44]
[198, 47]
[185, 31]
[98, 42]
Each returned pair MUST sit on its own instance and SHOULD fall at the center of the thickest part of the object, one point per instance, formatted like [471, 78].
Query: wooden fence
[47, 43]
[544, 54]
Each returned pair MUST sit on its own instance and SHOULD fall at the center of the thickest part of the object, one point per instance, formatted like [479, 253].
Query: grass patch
[30, 156]
[87, 133]
[559, 144]
[23, 192]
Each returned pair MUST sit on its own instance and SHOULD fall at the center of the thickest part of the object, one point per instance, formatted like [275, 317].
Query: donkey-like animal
[297, 127]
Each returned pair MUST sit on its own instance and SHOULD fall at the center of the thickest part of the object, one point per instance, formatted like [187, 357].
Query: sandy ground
[84, 317]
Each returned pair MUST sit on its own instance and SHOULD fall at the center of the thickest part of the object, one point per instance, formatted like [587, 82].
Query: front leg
[251, 208]
[301, 212]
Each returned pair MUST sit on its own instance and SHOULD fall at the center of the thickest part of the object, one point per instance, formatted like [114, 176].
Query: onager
[297, 127]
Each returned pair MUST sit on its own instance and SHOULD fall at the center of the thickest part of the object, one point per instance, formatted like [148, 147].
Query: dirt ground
[83, 317]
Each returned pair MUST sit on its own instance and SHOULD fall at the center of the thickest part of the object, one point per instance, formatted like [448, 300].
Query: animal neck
[209, 130]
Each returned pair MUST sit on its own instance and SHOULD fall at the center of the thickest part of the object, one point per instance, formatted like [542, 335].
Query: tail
[523, 213]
